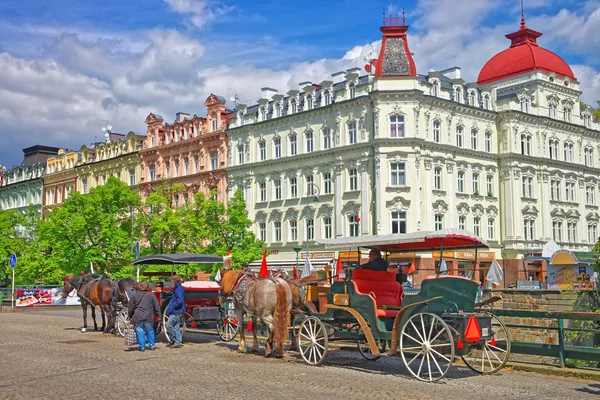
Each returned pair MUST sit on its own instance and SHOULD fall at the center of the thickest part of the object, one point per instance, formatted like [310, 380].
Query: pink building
[191, 151]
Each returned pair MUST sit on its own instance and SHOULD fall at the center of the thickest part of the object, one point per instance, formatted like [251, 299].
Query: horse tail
[281, 316]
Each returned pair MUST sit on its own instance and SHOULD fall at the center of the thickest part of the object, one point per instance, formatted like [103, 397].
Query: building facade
[60, 178]
[190, 151]
[511, 157]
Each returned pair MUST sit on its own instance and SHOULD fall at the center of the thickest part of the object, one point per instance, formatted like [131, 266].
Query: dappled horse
[269, 299]
[94, 290]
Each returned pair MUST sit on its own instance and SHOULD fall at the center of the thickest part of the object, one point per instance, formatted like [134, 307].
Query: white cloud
[589, 83]
[200, 12]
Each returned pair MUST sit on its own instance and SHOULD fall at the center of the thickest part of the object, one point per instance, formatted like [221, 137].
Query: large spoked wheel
[427, 346]
[490, 356]
[122, 321]
[312, 341]
[227, 328]
[182, 324]
[363, 345]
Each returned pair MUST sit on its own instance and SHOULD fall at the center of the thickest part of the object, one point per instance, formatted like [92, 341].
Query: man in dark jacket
[143, 306]
[175, 310]
[376, 263]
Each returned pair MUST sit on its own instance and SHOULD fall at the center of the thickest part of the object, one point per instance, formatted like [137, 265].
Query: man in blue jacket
[175, 310]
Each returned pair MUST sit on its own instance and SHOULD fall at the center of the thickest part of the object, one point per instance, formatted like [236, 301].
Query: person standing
[143, 307]
[175, 310]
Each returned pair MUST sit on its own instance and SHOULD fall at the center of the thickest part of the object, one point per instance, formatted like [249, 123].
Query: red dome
[523, 55]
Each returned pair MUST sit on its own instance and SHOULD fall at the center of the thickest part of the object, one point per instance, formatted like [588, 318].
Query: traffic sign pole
[13, 264]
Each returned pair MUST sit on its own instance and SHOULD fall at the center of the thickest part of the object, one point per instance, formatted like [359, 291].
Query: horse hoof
[241, 350]
[83, 330]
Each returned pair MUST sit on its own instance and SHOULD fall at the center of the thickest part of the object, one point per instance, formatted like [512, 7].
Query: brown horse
[95, 290]
[269, 299]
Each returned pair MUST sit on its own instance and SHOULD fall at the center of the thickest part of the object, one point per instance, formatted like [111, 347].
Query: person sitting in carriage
[377, 263]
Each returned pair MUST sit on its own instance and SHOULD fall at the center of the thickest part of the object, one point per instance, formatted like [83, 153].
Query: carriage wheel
[312, 341]
[182, 324]
[492, 355]
[427, 346]
[363, 345]
[122, 321]
[227, 329]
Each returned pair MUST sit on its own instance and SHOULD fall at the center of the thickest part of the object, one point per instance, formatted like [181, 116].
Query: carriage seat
[382, 286]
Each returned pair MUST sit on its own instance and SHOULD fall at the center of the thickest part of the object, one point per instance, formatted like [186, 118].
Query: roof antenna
[523, 15]
[384, 17]
[403, 19]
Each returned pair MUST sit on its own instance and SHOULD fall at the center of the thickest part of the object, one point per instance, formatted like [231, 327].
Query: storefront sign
[466, 255]
[348, 256]
[529, 285]
[328, 255]
[570, 277]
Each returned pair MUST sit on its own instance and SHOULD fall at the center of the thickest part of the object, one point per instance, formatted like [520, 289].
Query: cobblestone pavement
[44, 356]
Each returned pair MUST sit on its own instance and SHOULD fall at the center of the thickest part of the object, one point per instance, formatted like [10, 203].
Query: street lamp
[297, 250]
[311, 190]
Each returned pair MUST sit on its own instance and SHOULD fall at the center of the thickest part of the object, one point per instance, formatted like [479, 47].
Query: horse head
[71, 283]
[228, 280]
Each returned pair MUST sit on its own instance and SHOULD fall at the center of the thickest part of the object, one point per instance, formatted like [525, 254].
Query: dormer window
[278, 110]
[587, 120]
[524, 105]
[472, 98]
[263, 113]
[214, 125]
[309, 102]
[352, 89]
[327, 97]
[486, 101]
[458, 96]
[567, 113]
[435, 88]
[294, 106]
[241, 118]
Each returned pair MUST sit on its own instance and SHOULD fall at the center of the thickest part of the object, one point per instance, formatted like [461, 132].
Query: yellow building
[60, 178]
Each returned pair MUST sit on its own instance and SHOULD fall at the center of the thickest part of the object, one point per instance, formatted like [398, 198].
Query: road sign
[13, 260]
[137, 250]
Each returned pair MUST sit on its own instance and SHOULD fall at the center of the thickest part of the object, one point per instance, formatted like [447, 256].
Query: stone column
[380, 184]
[450, 194]
[428, 197]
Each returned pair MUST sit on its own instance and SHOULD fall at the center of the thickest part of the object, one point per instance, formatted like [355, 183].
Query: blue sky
[68, 66]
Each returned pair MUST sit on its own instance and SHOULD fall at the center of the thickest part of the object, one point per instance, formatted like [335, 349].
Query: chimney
[180, 116]
[338, 77]
[268, 92]
[451, 73]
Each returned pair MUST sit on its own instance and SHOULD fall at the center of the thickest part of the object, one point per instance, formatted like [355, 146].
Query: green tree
[91, 228]
[10, 242]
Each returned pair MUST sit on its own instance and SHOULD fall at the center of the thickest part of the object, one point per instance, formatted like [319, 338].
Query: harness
[242, 285]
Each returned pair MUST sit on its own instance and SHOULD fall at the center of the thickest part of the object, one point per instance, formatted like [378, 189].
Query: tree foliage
[10, 242]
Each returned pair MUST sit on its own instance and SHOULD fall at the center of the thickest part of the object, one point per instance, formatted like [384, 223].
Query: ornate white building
[512, 157]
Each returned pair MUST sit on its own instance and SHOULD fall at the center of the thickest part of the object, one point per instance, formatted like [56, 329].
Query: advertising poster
[40, 297]
[568, 277]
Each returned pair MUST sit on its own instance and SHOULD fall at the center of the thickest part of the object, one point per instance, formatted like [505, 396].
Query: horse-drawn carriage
[428, 329]
[202, 303]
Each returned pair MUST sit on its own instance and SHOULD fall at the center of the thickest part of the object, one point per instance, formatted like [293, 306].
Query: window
[186, 166]
[263, 113]
[327, 231]
[490, 185]
[293, 188]
[278, 114]
[327, 97]
[553, 148]
[490, 229]
[84, 183]
[486, 101]
[473, 139]
[396, 126]
[131, 177]
[241, 117]
[187, 133]
[293, 145]
[352, 88]
[240, 150]
[277, 231]
[262, 150]
[526, 145]
[214, 160]
[310, 229]
[529, 229]
[168, 169]
[458, 95]
[326, 138]
[557, 231]
[568, 152]
[476, 184]
[555, 190]
[437, 132]
[152, 141]
[327, 182]
[472, 98]
[552, 110]
[462, 222]
[277, 147]
[294, 106]
[353, 178]
[587, 120]
[589, 157]
[398, 174]
[527, 182]
[398, 221]
[214, 125]
[197, 163]
[176, 200]
[460, 187]
[589, 195]
[309, 142]
[293, 230]
[262, 231]
[262, 190]
[152, 173]
[352, 139]
[488, 142]
[439, 222]
[310, 185]
[477, 226]
[309, 101]
[437, 178]
[352, 225]
[567, 114]
[572, 232]
[524, 104]
[570, 191]
[435, 90]
[277, 189]
[592, 234]
[176, 170]
[459, 136]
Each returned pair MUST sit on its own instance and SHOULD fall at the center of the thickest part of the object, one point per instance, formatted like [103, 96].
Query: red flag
[411, 269]
[357, 218]
[338, 269]
[264, 272]
[295, 273]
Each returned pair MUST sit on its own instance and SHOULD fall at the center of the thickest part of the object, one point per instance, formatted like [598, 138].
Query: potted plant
[490, 194]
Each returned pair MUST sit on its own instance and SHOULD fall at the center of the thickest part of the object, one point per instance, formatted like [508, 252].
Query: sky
[70, 67]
